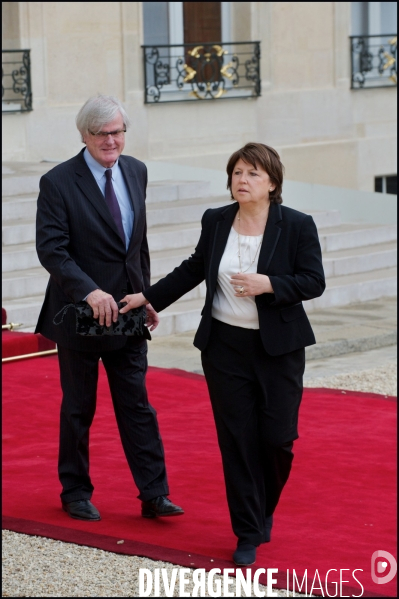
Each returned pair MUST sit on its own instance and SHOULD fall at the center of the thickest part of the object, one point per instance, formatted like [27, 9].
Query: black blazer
[290, 255]
[78, 242]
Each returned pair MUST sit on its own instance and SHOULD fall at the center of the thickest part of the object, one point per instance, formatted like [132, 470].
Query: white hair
[99, 111]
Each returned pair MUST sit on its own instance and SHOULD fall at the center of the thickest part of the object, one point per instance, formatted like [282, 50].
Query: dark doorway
[202, 22]
[202, 25]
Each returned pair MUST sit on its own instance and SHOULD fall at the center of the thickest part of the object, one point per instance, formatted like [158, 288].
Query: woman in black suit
[260, 260]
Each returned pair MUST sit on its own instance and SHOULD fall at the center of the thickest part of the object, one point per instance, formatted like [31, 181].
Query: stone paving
[346, 331]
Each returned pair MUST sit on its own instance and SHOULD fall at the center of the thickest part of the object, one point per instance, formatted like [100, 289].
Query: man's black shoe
[82, 509]
[244, 555]
[160, 506]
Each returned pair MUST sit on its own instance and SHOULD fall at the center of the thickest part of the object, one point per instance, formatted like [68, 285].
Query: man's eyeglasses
[104, 134]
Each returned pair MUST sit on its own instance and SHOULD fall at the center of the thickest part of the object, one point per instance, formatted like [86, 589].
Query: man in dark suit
[91, 237]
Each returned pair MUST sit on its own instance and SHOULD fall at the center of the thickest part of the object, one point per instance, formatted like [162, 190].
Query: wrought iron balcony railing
[16, 81]
[373, 61]
[208, 71]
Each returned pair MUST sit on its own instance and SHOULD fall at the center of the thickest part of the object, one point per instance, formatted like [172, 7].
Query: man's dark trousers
[136, 418]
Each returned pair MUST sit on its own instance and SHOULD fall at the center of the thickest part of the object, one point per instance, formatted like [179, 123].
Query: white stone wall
[326, 133]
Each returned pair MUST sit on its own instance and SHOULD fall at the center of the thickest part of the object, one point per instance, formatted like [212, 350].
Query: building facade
[304, 95]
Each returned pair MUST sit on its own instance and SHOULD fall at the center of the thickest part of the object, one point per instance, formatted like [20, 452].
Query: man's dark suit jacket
[78, 243]
[290, 255]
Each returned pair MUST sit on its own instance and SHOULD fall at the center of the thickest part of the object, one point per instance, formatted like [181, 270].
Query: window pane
[156, 23]
[359, 18]
[389, 17]
[378, 184]
[391, 184]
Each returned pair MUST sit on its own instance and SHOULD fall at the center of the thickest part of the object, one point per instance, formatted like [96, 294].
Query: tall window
[373, 18]
[190, 22]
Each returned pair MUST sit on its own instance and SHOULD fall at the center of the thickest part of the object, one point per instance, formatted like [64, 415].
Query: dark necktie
[112, 202]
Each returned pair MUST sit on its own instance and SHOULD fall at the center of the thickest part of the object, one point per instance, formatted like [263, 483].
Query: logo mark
[379, 566]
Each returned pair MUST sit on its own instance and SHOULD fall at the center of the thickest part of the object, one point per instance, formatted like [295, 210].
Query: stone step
[168, 237]
[24, 310]
[188, 209]
[325, 218]
[184, 315]
[171, 191]
[24, 283]
[356, 287]
[339, 263]
[331, 239]
[164, 261]
[23, 274]
[351, 235]
[19, 257]
[186, 234]
[23, 206]
[183, 211]
[33, 281]
[157, 191]
[360, 259]
[24, 184]
[180, 317]
[192, 211]
[198, 292]
[20, 231]
[160, 197]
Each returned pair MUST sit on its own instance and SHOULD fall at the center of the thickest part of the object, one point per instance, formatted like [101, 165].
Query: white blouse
[236, 311]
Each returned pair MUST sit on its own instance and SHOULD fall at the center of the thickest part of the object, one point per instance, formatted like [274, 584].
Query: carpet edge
[138, 548]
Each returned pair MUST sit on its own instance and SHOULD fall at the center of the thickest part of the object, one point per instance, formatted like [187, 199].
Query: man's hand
[104, 307]
[253, 284]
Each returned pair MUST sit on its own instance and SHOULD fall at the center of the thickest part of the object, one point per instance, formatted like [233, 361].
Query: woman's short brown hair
[266, 158]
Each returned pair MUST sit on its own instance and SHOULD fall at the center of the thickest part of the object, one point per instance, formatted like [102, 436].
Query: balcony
[373, 61]
[195, 72]
[16, 81]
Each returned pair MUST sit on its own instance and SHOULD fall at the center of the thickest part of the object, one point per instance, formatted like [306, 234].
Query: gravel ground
[381, 380]
[40, 567]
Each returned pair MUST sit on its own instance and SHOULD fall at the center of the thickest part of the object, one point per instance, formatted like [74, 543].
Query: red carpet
[336, 510]
[18, 344]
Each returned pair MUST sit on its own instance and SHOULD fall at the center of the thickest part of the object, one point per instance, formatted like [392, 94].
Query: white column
[176, 26]
[226, 22]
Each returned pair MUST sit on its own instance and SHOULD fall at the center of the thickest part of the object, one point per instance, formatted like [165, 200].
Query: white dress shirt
[237, 311]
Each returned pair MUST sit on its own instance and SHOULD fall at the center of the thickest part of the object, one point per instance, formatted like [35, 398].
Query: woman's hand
[135, 300]
[152, 318]
[253, 284]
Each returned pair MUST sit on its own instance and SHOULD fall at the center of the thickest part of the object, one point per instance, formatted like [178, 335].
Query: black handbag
[132, 323]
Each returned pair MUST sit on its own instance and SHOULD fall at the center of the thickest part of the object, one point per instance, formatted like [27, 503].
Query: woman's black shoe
[244, 555]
